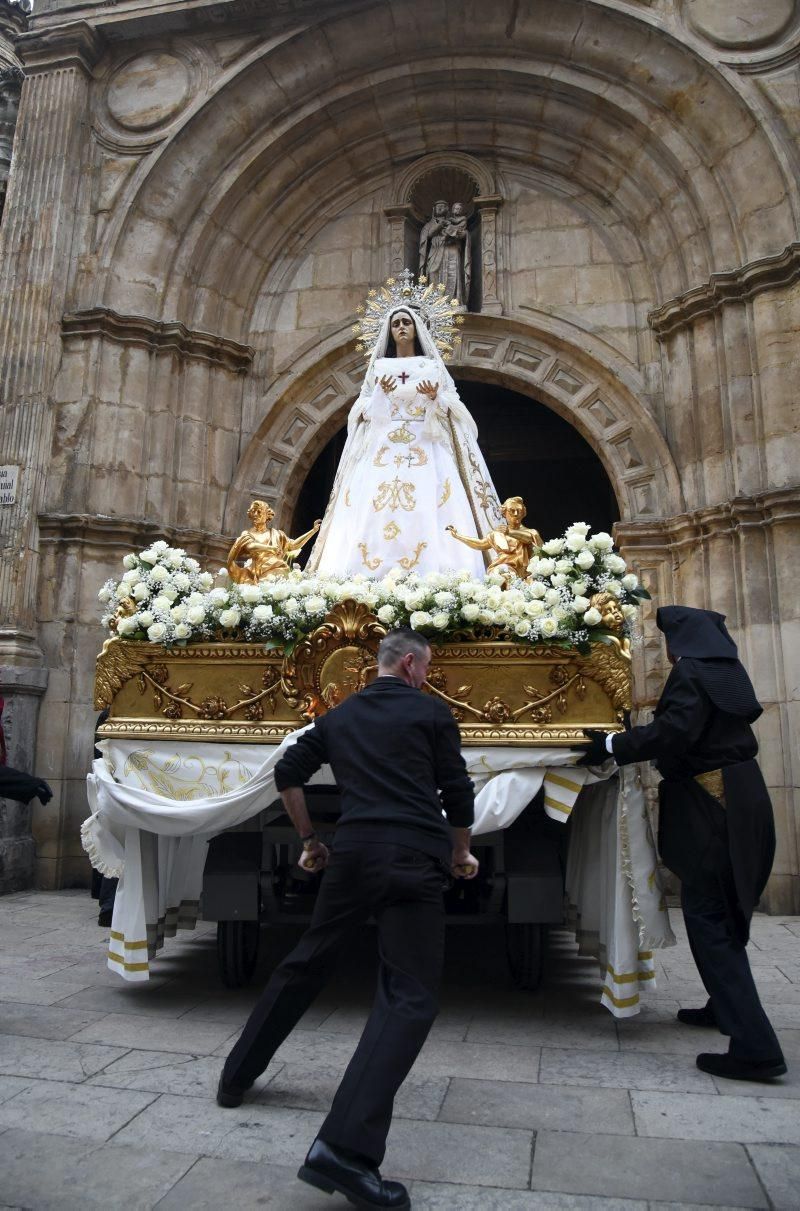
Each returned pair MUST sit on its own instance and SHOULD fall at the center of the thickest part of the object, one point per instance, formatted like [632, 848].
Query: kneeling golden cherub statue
[266, 551]
[512, 541]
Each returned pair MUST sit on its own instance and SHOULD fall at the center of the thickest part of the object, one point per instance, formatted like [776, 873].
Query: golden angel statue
[513, 541]
[265, 551]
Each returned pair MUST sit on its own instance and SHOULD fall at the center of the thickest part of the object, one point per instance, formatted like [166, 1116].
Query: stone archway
[584, 383]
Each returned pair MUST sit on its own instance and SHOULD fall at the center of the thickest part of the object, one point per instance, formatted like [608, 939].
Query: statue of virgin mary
[411, 465]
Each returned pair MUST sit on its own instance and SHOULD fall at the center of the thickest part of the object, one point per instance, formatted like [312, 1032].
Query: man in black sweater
[407, 807]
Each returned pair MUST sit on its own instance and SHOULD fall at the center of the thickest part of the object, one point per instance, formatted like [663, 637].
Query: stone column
[403, 253]
[487, 207]
[42, 205]
[13, 22]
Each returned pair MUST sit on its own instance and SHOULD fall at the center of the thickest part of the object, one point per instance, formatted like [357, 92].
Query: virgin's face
[402, 328]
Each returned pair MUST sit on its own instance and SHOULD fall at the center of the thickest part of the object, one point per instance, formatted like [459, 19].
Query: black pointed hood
[702, 637]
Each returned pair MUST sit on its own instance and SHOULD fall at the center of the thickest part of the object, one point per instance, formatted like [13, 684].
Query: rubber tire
[237, 951]
[526, 943]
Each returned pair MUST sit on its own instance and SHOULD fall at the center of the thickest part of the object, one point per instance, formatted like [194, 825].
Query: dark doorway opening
[531, 452]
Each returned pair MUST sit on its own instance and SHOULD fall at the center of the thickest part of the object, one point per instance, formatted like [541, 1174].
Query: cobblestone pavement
[518, 1101]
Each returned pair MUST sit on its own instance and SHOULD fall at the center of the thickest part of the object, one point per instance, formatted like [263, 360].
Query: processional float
[206, 677]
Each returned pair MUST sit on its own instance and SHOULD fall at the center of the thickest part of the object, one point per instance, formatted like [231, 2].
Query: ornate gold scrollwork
[609, 666]
[116, 664]
[335, 660]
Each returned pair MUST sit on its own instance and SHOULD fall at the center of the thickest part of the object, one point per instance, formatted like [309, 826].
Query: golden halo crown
[441, 315]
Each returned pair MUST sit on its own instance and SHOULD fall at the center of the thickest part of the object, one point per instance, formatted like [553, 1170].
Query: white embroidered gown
[411, 467]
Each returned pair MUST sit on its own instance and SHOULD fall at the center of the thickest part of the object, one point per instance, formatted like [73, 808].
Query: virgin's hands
[428, 388]
[464, 865]
[314, 857]
[388, 383]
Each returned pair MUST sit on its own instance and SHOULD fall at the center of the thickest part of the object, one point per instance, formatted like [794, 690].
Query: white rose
[206, 580]
[126, 625]
[578, 527]
[630, 582]
[178, 613]
[159, 574]
[470, 611]
[554, 547]
[160, 546]
[415, 601]
[387, 614]
[149, 556]
[630, 611]
[534, 609]
[192, 565]
[601, 541]
[250, 593]
[522, 627]
[262, 613]
[580, 605]
[218, 597]
[615, 564]
[132, 577]
[420, 618]
[145, 619]
[105, 594]
[487, 617]
[156, 632]
[174, 559]
[494, 598]
[441, 620]
[229, 619]
[614, 588]
[444, 600]
[129, 561]
[592, 617]
[182, 582]
[544, 567]
[182, 631]
[140, 591]
[552, 597]
[563, 565]
[170, 592]
[558, 579]
[161, 602]
[537, 589]
[576, 542]
[196, 615]
[291, 607]
[584, 559]
[316, 604]
[579, 587]
[548, 627]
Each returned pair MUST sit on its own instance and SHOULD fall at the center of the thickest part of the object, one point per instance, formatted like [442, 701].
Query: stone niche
[454, 178]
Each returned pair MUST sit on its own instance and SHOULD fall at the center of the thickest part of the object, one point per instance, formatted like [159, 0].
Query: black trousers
[725, 971]
[402, 889]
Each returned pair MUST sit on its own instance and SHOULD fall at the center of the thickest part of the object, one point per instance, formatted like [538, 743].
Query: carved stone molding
[76, 45]
[121, 534]
[159, 336]
[732, 286]
[767, 509]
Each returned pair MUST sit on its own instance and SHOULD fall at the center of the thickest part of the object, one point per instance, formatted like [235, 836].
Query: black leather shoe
[736, 1069]
[228, 1095]
[698, 1017]
[104, 918]
[328, 1169]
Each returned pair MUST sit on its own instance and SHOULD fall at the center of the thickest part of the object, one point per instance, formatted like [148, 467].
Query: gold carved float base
[500, 693]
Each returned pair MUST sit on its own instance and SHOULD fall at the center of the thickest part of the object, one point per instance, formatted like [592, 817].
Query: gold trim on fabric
[630, 977]
[396, 494]
[120, 937]
[378, 459]
[372, 564]
[118, 959]
[447, 488]
[712, 783]
[559, 807]
[620, 1002]
[560, 780]
[408, 562]
[391, 531]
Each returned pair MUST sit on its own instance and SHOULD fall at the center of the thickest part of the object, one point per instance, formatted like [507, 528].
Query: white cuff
[609, 745]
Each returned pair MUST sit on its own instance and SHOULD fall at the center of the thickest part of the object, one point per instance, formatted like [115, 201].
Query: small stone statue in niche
[445, 255]
[265, 551]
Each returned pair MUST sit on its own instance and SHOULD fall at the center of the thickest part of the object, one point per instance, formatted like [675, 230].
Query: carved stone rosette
[500, 693]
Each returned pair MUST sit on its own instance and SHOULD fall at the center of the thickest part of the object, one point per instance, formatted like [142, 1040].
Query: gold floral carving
[608, 665]
[340, 656]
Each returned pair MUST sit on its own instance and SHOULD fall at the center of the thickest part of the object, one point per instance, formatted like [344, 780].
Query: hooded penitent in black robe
[702, 723]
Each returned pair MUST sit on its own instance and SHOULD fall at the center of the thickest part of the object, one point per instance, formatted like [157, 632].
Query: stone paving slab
[693, 1116]
[717, 1174]
[44, 1021]
[60, 1108]
[778, 1167]
[248, 1185]
[623, 1070]
[170, 1072]
[520, 1104]
[443, 1197]
[312, 1087]
[155, 1033]
[52, 1173]
[450, 1152]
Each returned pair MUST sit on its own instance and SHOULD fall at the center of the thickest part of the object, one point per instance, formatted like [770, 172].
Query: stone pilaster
[13, 22]
[487, 207]
[35, 245]
[401, 253]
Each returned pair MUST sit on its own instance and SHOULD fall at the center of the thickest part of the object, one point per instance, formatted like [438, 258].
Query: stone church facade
[201, 194]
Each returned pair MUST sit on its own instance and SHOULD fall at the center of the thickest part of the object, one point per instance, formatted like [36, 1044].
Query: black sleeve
[303, 758]
[683, 713]
[16, 785]
[456, 792]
